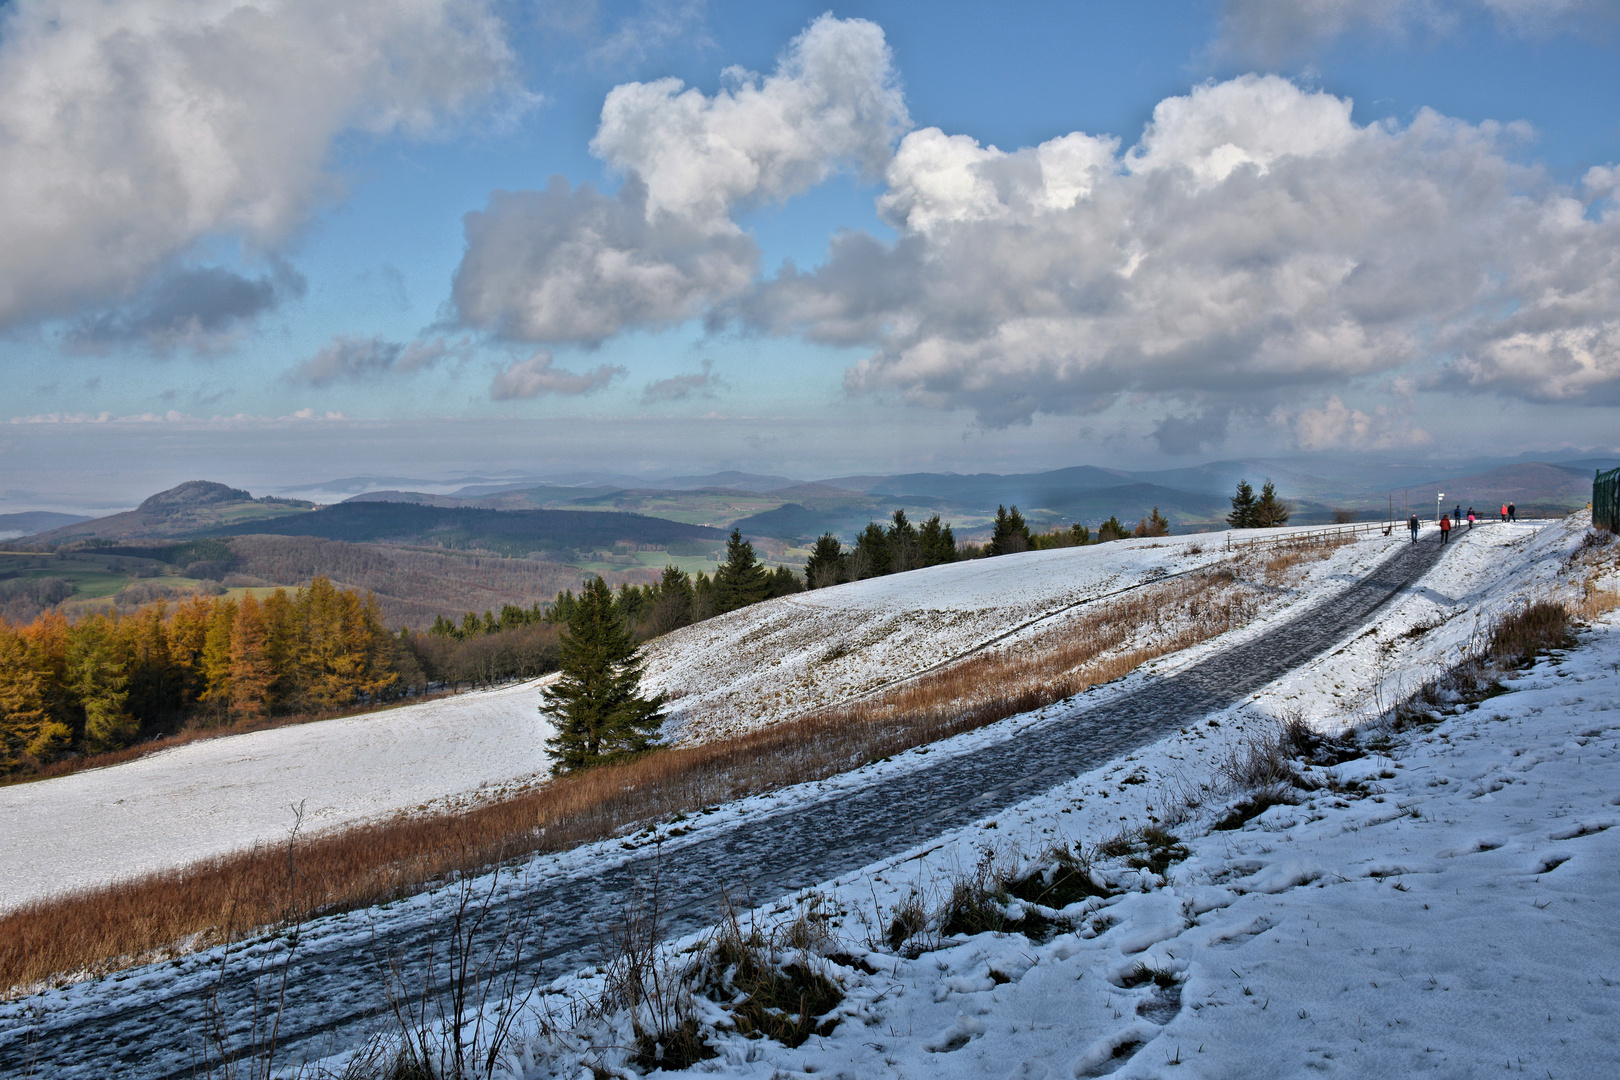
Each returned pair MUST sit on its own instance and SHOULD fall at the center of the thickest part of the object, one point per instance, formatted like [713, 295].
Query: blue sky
[242, 243]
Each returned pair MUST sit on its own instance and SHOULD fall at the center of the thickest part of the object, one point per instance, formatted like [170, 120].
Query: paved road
[104, 1030]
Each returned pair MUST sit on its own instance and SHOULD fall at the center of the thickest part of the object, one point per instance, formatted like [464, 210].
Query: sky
[276, 243]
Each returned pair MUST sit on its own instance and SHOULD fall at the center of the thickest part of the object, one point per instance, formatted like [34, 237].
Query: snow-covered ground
[1443, 906]
[756, 666]
[776, 660]
[222, 795]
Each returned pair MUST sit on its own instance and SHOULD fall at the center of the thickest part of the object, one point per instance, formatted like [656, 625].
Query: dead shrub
[1541, 627]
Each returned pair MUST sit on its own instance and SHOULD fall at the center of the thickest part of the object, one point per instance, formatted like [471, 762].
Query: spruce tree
[1270, 511]
[741, 580]
[826, 563]
[905, 547]
[1112, 529]
[871, 556]
[597, 703]
[1242, 515]
[937, 542]
[1011, 534]
[782, 582]
[672, 603]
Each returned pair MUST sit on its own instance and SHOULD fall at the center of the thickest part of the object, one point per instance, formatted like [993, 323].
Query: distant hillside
[511, 532]
[1533, 486]
[187, 509]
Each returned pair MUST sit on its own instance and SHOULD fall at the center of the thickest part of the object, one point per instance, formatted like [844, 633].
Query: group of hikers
[1508, 512]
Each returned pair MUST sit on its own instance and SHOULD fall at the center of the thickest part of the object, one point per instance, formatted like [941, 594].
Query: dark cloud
[197, 308]
[351, 358]
[538, 376]
[681, 387]
[1192, 433]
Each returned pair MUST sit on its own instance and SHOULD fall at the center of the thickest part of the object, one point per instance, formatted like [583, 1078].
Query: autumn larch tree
[597, 705]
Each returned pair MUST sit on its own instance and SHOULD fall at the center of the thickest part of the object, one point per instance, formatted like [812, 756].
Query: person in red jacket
[1445, 527]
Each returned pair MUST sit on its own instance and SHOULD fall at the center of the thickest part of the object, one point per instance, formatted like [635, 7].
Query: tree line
[109, 678]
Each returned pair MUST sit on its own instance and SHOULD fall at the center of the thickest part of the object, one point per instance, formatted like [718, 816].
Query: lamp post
[1438, 496]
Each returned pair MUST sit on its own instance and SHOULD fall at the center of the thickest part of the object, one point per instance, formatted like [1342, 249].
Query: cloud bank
[537, 376]
[577, 265]
[131, 132]
[347, 357]
[1271, 32]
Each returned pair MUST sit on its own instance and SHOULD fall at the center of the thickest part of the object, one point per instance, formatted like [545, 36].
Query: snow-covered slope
[1440, 908]
[222, 795]
[775, 660]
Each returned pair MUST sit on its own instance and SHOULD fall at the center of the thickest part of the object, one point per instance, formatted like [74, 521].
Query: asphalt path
[152, 1023]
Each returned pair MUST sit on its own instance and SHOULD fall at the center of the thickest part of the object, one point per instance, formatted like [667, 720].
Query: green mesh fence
[1606, 500]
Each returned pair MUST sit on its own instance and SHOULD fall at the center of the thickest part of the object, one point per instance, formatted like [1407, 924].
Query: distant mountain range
[522, 516]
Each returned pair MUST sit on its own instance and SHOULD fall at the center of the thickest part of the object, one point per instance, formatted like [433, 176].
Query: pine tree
[1111, 529]
[1154, 525]
[870, 558]
[826, 563]
[740, 580]
[597, 704]
[672, 605]
[905, 549]
[97, 679]
[937, 542]
[1270, 511]
[1242, 515]
[1011, 534]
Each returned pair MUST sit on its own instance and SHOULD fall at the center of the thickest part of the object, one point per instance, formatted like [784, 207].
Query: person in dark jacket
[1412, 523]
[1513, 512]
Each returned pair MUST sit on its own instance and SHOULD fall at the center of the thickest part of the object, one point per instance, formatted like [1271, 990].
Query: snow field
[751, 667]
[223, 795]
[1443, 910]
[773, 661]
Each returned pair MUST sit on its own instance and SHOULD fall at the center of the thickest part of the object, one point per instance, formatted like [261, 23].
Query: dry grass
[1278, 567]
[145, 919]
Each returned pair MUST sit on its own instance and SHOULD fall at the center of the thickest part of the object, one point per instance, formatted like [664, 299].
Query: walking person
[1504, 511]
[1412, 523]
[1470, 518]
[1445, 527]
[1513, 512]
[1456, 514]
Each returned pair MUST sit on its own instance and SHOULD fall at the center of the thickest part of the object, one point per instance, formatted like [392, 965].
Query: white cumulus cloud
[129, 132]
[577, 265]
[1254, 242]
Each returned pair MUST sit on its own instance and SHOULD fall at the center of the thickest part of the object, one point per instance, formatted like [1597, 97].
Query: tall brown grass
[145, 919]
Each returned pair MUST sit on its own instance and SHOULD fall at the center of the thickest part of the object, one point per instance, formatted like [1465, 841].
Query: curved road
[149, 1023]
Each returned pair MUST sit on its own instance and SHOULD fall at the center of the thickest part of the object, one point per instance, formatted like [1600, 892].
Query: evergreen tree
[1111, 529]
[741, 579]
[597, 703]
[1242, 515]
[97, 680]
[672, 605]
[1011, 533]
[905, 549]
[782, 582]
[870, 558]
[1153, 525]
[937, 542]
[1270, 511]
[826, 563]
